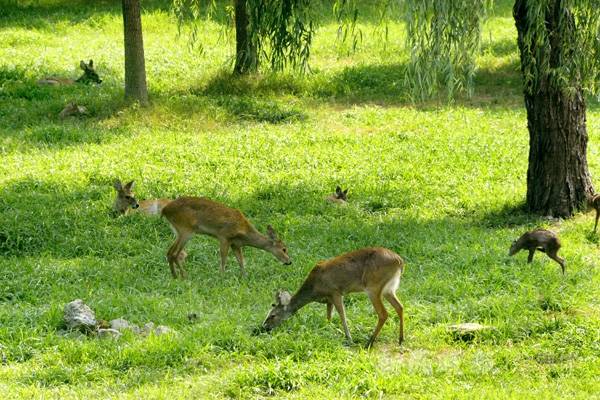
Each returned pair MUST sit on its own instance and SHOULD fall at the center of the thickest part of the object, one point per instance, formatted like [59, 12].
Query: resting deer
[125, 201]
[594, 202]
[376, 271]
[198, 215]
[89, 76]
[339, 197]
[541, 240]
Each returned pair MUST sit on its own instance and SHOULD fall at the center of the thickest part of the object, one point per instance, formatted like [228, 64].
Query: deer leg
[338, 302]
[530, 257]
[382, 314]
[240, 257]
[329, 311]
[176, 255]
[597, 216]
[559, 260]
[391, 297]
[224, 247]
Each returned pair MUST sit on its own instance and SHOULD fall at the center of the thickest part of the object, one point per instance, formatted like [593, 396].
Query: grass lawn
[441, 184]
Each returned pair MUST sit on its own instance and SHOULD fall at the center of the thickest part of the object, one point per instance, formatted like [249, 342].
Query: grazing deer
[376, 271]
[199, 215]
[89, 76]
[594, 202]
[125, 201]
[339, 197]
[541, 240]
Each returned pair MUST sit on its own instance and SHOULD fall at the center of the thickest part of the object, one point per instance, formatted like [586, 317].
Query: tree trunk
[246, 57]
[135, 69]
[558, 180]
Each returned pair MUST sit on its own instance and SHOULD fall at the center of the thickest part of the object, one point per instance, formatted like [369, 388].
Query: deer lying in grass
[541, 240]
[89, 76]
[594, 202]
[339, 197]
[198, 215]
[125, 201]
[376, 271]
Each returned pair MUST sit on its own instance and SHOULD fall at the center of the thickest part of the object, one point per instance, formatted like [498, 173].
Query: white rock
[78, 315]
[109, 333]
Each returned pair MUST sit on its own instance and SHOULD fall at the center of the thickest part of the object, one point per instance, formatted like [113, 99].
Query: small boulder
[109, 333]
[467, 331]
[121, 324]
[162, 330]
[77, 315]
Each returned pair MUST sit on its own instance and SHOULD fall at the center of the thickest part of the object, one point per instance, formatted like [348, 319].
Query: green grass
[441, 184]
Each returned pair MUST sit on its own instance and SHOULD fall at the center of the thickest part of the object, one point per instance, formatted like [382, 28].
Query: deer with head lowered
[199, 215]
[376, 271]
[89, 76]
[539, 239]
[125, 201]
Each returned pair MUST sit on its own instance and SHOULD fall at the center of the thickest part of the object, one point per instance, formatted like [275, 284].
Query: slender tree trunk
[558, 180]
[135, 69]
[246, 57]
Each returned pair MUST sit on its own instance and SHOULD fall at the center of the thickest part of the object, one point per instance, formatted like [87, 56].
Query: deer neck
[258, 240]
[302, 297]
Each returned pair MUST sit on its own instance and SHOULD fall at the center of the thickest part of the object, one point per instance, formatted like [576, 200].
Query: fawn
[541, 240]
[376, 271]
[339, 197]
[125, 201]
[594, 202]
[89, 76]
[200, 215]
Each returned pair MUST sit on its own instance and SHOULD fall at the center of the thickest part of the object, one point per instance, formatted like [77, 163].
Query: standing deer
[89, 76]
[594, 202]
[541, 240]
[339, 197]
[198, 215]
[376, 271]
[125, 201]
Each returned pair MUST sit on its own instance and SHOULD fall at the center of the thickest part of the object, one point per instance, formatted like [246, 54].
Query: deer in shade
[541, 240]
[125, 201]
[89, 76]
[199, 215]
[375, 271]
[594, 202]
[339, 197]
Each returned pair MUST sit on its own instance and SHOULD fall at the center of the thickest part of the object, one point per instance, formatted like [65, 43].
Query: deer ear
[338, 190]
[271, 232]
[345, 192]
[283, 297]
[130, 185]
[82, 65]
[91, 64]
[117, 185]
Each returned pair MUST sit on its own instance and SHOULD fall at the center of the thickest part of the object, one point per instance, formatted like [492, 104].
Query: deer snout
[134, 206]
[289, 262]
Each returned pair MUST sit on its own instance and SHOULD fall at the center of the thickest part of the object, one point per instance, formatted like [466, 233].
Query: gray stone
[468, 330]
[121, 324]
[78, 315]
[162, 329]
[109, 333]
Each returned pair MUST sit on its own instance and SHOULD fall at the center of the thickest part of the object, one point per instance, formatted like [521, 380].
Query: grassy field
[441, 184]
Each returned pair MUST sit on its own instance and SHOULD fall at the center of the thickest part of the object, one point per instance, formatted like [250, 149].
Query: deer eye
[128, 197]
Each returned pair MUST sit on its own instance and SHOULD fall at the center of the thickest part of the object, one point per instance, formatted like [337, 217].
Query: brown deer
[125, 201]
[89, 76]
[198, 215]
[541, 240]
[375, 270]
[339, 197]
[594, 202]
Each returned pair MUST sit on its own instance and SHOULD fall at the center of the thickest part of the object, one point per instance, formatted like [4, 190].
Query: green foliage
[560, 45]
[440, 184]
[443, 38]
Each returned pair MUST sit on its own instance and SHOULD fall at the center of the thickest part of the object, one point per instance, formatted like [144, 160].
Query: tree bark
[246, 57]
[558, 180]
[135, 68]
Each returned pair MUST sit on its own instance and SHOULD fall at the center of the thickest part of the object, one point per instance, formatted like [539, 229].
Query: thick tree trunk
[135, 68]
[246, 57]
[558, 180]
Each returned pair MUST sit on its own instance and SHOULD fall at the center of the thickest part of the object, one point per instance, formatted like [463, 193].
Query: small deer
[376, 271]
[541, 240]
[594, 202]
[199, 215]
[339, 197]
[125, 201]
[72, 109]
[89, 76]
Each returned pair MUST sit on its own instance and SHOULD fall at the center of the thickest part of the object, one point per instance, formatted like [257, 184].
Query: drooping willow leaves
[443, 38]
[563, 51]
[281, 31]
